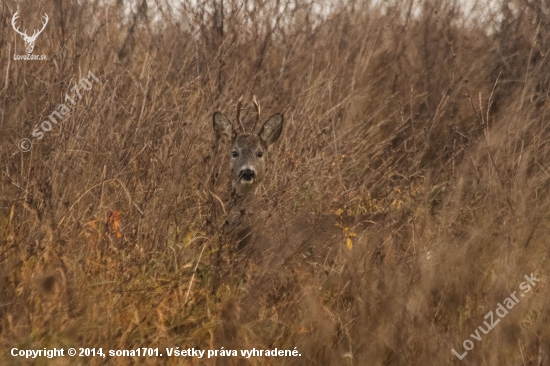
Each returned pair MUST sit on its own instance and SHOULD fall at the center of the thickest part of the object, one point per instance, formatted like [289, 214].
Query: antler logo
[29, 41]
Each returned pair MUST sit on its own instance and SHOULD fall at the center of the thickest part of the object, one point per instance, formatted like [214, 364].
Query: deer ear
[271, 130]
[222, 127]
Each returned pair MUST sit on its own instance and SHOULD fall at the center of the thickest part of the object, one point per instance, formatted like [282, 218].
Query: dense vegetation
[428, 117]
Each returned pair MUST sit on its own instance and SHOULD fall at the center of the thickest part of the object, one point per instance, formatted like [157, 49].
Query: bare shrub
[424, 121]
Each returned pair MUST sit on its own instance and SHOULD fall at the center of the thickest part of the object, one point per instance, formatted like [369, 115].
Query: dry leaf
[349, 243]
[114, 220]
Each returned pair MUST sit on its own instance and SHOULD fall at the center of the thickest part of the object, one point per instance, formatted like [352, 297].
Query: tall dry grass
[422, 114]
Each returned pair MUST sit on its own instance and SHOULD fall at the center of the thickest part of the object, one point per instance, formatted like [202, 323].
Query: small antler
[258, 109]
[239, 107]
[13, 19]
[24, 34]
[44, 22]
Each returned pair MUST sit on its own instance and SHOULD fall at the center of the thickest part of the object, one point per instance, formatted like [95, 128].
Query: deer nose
[247, 174]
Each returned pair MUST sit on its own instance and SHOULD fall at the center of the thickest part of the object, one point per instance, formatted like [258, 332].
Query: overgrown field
[427, 119]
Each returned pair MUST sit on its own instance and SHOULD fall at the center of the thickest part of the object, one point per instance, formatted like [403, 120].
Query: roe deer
[247, 223]
[248, 166]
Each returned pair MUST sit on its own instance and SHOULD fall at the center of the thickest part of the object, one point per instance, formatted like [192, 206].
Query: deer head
[29, 41]
[248, 150]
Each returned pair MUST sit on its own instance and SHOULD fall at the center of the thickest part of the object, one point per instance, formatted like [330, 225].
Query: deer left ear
[271, 130]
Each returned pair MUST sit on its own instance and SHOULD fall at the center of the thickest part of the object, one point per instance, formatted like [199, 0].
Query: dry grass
[435, 124]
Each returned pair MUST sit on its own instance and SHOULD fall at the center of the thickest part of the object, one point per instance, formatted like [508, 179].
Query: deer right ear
[222, 127]
[271, 130]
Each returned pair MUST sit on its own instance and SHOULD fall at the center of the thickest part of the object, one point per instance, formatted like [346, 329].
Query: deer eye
[234, 154]
[260, 154]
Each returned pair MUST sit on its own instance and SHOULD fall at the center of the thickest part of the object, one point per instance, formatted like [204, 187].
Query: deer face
[248, 151]
[29, 44]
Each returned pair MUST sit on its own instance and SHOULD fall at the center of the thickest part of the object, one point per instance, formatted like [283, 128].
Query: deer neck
[243, 203]
[244, 198]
